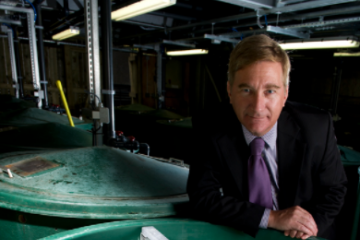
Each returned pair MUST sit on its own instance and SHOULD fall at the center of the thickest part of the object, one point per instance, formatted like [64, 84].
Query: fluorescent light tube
[72, 31]
[187, 52]
[320, 44]
[139, 8]
[343, 54]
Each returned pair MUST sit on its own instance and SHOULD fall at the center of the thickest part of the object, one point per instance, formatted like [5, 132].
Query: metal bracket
[44, 82]
[258, 15]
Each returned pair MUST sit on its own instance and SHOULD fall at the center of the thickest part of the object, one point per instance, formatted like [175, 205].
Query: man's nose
[258, 102]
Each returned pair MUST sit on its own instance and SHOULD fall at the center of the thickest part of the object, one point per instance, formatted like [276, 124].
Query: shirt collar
[269, 137]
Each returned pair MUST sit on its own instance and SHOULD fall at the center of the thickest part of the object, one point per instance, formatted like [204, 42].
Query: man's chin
[257, 131]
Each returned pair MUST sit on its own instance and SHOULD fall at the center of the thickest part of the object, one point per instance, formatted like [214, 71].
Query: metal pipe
[41, 56]
[32, 45]
[13, 62]
[108, 81]
[18, 64]
[128, 50]
[336, 87]
[159, 76]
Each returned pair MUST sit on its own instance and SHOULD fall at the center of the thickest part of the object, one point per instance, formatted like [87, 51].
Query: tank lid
[94, 182]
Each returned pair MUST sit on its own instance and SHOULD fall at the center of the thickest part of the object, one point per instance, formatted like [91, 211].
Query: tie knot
[257, 146]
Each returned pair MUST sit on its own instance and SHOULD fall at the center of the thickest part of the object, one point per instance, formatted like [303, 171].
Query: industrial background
[125, 68]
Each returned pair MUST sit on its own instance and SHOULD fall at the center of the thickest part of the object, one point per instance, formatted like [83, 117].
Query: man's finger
[293, 233]
[304, 229]
[286, 233]
[299, 234]
[305, 236]
[307, 219]
[309, 224]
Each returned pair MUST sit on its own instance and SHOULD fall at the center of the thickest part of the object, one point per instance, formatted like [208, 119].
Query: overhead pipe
[107, 71]
[242, 16]
[41, 53]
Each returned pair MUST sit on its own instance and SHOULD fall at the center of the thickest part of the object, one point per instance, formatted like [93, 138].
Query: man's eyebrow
[244, 85]
[272, 86]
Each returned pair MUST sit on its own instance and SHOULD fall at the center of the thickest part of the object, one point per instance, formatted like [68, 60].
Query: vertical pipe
[18, 66]
[163, 76]
[34, 56]
[107, 55]
[159, 76]
[336, 87]
[91, 23]
[41, 55]
[13, 62]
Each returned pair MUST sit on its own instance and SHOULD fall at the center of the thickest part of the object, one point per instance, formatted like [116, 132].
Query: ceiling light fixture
[72, 31]
[139, 8]
[187, 52]
[322, 43]
[347, 54]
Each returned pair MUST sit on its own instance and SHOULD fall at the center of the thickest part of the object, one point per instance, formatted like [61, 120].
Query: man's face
[258, 95]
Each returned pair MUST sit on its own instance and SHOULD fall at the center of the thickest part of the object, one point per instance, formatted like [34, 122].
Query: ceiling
[204, 22]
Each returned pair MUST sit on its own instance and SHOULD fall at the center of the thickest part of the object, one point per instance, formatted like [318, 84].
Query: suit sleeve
[331, 184]
[209, 198]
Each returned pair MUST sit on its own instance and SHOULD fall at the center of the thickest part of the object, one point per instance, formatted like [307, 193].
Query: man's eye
[270, 91]
[246, 90]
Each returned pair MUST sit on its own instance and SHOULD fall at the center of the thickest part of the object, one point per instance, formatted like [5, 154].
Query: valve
[129, 143]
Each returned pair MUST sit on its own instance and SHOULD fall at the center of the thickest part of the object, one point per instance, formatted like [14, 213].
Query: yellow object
[58, 84]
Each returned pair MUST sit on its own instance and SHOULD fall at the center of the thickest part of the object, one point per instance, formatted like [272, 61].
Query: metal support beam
[108, 75]
[159, 76]
[9, 21]
[336, 87]
[42, 67]
[272, 29]
[34, 57]
[178, 43]
[221, 38]
[18, 65]
[304, 6]
[93, 49]
[323, 23]
[32, 45]
[91, 24]
[291, 8]
[253, 4]
[13, 62]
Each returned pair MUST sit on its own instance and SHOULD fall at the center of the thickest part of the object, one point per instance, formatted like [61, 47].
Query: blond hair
[257, 48]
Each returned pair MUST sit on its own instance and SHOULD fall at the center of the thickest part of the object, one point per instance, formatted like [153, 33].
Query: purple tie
[258, 176]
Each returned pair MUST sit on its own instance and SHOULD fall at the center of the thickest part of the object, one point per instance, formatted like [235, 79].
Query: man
[263, 162]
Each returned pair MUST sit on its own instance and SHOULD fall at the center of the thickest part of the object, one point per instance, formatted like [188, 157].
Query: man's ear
[228, 87]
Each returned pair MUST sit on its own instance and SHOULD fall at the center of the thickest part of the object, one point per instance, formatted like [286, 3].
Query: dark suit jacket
[311, 174]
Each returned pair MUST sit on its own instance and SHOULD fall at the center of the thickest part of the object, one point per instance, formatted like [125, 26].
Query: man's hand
[295, 221]
[296, 234]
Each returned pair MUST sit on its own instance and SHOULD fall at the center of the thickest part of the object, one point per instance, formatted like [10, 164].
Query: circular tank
[174, 229]
[17, 112]
[172, 138]
[54, 191]
[140, 121]
[24, 127]
[43, 136]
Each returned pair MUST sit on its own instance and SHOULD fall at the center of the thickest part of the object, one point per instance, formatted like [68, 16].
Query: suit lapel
[290, 153]
[235, 153]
